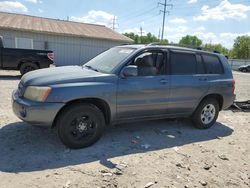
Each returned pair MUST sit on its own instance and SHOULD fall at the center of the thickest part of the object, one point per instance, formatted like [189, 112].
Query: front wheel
[206, 114]
[80, 125]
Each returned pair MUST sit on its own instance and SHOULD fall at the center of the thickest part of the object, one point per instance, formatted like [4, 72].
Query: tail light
[233, 82]
[51, 56]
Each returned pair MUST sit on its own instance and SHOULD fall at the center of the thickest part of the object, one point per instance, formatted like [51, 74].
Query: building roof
[59, 27]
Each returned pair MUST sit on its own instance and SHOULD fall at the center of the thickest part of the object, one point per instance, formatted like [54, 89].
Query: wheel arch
[216, 96]
[100, 103]
[27, 61]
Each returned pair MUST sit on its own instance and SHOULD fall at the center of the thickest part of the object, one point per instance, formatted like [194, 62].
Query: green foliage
[217, 47]
[192, 41]
[149, 38]
[241, 49]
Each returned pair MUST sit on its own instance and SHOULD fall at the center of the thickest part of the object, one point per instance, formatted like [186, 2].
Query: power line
[141, 9]
[128, 19]
[165, 6]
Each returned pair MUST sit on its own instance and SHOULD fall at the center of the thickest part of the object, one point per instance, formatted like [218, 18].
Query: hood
[59, 75]
[243, 66]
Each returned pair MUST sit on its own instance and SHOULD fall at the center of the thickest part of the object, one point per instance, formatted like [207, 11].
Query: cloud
[192, 1]
[226, 39]
[40, 10]
[178, 21]
[224, 10]
[95, 17]
[174, 34]
[201, 28]
[206, 37]
[179, 29]
[12, 6]
[34, 1]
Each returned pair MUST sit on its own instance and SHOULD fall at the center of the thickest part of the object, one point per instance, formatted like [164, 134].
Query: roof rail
[125, 44]
[154, 44]
[185, 46]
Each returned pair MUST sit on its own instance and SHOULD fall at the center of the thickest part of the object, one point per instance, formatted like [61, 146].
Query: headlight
[39, 94]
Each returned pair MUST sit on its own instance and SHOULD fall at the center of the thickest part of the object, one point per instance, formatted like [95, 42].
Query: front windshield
[107, 61]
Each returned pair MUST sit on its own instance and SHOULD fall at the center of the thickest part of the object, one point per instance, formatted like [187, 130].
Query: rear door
[188, 83]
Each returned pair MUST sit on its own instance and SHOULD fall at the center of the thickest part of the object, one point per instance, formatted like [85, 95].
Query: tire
[80, 125]
[27, 67]
[244, 70]
[206, 114]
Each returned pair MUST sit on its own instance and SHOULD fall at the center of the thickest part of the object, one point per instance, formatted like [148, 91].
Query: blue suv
[126, 83]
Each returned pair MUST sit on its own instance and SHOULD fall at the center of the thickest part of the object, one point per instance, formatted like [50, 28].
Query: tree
[147, 39]
[191, 41]
[241, 49]
[133, 36]
[217, 47]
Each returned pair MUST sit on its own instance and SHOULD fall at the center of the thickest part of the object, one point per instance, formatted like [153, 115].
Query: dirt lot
[164, 153]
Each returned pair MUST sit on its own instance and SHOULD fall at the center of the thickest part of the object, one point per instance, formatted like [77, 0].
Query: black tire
[244, 70]
[27, 67]
[80, 125]
[201, 115]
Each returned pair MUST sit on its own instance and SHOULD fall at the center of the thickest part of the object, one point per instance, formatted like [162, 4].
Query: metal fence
[236, 63]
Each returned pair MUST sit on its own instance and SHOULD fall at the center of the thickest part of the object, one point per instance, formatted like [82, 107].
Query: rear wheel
[80, 125]
[27, 67]
[244, 70]
[206, 114]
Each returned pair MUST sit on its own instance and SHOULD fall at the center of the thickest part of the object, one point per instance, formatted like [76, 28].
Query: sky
[213, 21]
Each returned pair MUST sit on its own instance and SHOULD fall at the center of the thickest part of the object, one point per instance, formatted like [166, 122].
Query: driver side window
[150, 64]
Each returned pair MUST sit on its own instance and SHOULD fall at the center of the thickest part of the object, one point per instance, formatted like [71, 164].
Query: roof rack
[154, 44]
[185, 46]
[176, 44]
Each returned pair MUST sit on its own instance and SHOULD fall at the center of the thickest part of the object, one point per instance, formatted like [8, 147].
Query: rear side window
[213, 64]
[200, 65]
[183, 63]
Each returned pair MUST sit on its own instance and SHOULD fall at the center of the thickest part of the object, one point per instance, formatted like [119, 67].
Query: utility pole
[141, 31]
[114, 23]
[159, 35]
[165, 11]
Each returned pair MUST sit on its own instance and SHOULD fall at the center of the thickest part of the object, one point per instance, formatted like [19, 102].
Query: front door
[145, 95]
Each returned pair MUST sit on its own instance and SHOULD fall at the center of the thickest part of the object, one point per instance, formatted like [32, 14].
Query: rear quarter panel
[223, 84]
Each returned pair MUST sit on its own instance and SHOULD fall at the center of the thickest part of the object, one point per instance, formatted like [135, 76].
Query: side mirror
[130, 71]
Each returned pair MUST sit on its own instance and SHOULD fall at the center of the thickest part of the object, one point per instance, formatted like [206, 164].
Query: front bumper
[36, 113]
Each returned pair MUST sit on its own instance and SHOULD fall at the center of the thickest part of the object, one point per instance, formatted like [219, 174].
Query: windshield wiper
[92, 68]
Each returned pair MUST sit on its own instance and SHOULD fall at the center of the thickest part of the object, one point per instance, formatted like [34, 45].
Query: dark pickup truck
[25, 60]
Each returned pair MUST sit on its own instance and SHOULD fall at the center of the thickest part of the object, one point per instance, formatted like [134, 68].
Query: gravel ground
[163, 153]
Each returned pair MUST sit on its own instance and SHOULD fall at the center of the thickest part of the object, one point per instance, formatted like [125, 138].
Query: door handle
[163, 81]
